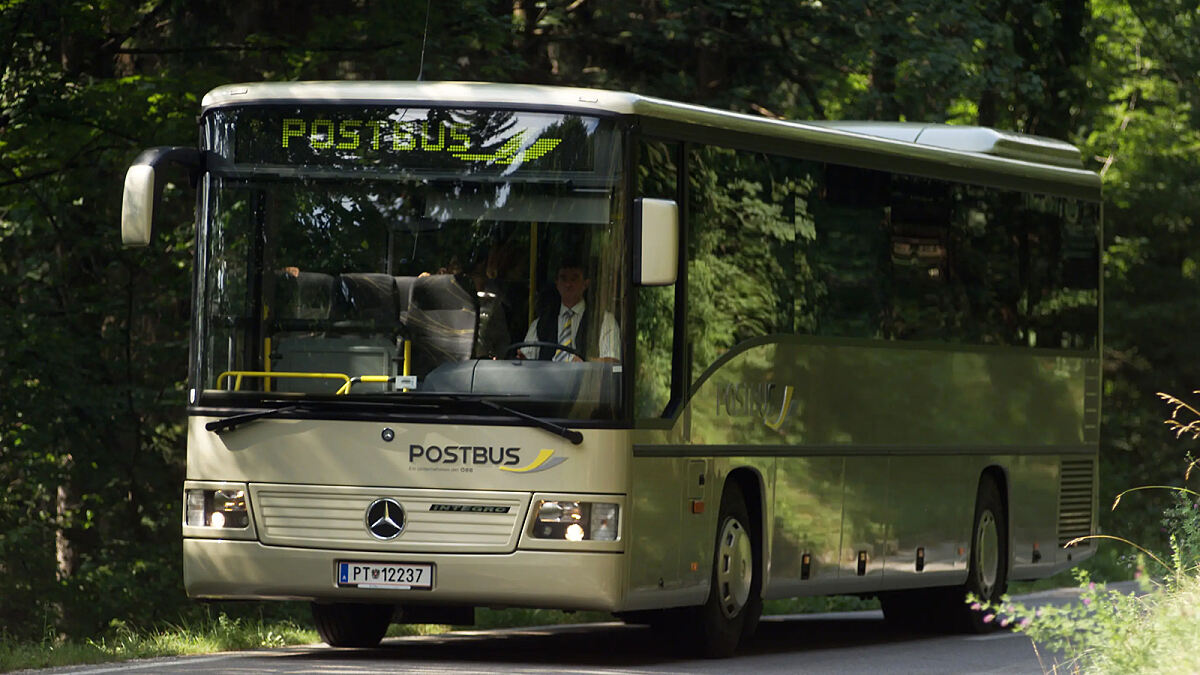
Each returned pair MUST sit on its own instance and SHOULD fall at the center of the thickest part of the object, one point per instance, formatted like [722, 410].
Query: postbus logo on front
[468, 457]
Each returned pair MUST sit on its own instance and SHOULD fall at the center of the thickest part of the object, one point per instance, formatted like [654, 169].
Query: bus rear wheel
[351, 625]
[987, 575]
[734, 598]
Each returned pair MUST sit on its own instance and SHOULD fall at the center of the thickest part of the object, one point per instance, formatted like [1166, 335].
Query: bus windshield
[367, 253]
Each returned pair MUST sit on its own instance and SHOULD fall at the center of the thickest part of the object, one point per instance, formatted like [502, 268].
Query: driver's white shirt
[610, 343]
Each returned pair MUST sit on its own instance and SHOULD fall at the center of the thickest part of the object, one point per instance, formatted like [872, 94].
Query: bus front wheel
[734, 598]
[343, 624]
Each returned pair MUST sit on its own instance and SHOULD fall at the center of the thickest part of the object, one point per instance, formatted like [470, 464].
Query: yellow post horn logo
[544, 460]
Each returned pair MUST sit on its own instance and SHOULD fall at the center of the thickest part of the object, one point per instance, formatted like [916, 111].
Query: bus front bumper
[227, 570]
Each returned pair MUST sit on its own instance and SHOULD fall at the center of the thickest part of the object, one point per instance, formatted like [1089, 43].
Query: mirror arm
[189, 158]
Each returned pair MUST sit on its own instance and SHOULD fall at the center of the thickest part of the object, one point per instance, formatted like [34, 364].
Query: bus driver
[572, 325]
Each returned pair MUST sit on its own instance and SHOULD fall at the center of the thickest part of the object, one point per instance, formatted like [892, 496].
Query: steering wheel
[511, 350]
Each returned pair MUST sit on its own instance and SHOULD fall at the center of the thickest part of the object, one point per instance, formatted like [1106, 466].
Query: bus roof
[858, 134]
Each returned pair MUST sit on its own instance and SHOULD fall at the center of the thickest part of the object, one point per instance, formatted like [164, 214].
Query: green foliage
[1142, 134]
[1112, 632]
[1102, 621]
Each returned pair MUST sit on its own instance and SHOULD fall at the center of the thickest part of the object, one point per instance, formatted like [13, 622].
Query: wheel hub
[735, 560]
[987, 554]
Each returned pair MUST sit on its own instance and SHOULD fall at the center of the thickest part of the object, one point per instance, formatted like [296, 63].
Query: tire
[735, 599]
[351, 625]
[987, 571]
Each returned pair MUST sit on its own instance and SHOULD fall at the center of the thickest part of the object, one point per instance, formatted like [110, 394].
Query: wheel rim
[735, 560]
[987, 554]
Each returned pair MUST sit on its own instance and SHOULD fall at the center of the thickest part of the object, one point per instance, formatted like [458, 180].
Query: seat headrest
[367, 296]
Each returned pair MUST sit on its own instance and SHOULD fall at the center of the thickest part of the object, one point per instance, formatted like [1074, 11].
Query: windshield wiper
[228, 423]
[576, 437]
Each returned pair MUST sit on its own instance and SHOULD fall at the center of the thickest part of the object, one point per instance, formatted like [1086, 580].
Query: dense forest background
[93, 337]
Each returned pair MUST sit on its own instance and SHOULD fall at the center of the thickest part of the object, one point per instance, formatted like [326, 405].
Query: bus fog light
[216, 508]
[603, 522]
[195, 508]
[574, 532]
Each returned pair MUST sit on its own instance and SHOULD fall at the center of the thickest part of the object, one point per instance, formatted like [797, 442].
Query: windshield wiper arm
[228, 423]
[233, 421]
[575, 437]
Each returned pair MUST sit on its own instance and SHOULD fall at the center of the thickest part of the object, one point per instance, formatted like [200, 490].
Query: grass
[1114, 633]
[1159, 637]
[819, 604]
[221, 632]
[123, 642]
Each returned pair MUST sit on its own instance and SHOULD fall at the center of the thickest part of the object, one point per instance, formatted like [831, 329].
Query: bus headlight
[576, 521]
[216, 508]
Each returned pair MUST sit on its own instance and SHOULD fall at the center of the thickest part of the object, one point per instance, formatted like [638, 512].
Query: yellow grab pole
[266, 351]
[533, 235]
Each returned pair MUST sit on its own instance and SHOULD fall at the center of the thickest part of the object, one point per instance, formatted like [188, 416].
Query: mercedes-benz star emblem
[385, 519]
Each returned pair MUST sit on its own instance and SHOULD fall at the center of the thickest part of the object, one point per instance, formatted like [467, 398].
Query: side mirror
[143, 189]
[137, 205]
[657, 245]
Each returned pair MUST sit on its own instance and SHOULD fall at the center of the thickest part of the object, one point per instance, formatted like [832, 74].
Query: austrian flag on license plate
[384, 575]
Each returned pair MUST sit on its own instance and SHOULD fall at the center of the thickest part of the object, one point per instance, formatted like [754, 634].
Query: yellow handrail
[533, 251]
[407, 359]
[239, 374]
[267, 363]
[266, 349]
[362, 378]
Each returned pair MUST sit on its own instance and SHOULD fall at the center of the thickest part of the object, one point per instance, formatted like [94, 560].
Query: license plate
[404, 576]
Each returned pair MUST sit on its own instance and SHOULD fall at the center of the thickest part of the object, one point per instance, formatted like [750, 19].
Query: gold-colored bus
[802, 359]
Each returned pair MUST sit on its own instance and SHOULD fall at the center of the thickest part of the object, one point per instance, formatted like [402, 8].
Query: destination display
[355, 137]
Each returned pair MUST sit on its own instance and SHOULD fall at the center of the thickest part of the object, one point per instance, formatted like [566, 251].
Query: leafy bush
[1108, 631]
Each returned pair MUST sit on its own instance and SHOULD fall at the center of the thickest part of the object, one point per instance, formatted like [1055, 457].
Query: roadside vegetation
[1110, 631]
[122, 642]
[1148, 631]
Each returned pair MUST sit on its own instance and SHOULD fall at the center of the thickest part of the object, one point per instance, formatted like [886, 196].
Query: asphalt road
[847, 642]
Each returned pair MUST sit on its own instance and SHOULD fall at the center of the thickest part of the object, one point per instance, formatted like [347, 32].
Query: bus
[819, 358]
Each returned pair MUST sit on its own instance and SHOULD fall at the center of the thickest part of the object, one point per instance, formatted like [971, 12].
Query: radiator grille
[335, 517]
[1075, 490]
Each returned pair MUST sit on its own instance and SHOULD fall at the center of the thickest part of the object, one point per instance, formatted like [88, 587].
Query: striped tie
[564, 335]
